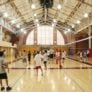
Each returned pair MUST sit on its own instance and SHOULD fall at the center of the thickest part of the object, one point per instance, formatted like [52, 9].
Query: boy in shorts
[38, 62]
[3, 74]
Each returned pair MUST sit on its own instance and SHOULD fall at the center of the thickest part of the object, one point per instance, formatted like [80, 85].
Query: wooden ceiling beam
[88, 4]
[17, 11]
[78, 5]
[8, 1]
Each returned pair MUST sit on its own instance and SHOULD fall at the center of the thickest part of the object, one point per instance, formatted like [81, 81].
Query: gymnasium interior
[54, 25]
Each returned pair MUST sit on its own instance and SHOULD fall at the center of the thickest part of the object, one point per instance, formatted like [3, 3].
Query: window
[44, 36]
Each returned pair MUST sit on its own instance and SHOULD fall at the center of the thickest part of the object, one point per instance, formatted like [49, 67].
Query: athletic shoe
[8, 88]
[2, 88]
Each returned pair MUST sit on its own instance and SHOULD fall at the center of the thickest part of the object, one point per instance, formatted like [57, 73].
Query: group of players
[44, 57]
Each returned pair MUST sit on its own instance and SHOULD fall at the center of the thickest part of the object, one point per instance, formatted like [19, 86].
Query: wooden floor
[73, 77]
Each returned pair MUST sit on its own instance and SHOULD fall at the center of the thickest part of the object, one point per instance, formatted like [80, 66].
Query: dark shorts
[51, 55]
[29, 58]
[48, 56]
[24, 60]
[63, 58]
[37, 67]
[45, 62]
[3, 76]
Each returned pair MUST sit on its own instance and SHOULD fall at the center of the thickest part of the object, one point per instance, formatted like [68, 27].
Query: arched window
[44, 36]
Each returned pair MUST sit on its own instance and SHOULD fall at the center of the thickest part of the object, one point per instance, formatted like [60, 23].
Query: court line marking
[74, 81]
[17, 80]
[55, 68]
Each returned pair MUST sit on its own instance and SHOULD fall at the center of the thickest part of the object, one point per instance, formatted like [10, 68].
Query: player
[45, 59]
[3, 74]
[38, 62]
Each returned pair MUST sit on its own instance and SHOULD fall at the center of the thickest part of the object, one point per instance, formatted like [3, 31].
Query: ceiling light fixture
[59, 6]
[36, 20]
[35, 15]
[54, 20]
[24, 32]
[65, 32]
[47, 3]
[53, 24]
[86, 15]
[73, 26]
[13, 21]
[69, 30]
[33, 6]
[18, 26]
[38, 25]
[5, 15]
[78, 22]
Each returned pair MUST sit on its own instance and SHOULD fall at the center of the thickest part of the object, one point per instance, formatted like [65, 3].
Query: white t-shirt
[45, 57]
[2, 70]
[48, 52]
[38, 59]
[57, 54]
[81, 55]
[63, 54]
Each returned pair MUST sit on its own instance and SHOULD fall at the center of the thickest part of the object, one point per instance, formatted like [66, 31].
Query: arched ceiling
[22, 12]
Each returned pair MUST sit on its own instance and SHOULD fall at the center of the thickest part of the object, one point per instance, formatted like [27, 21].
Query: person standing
[48, 52]
[34, 53]
[29, 57]
[38, 62]
[85, 56]
[16, 53]
[63, 56]
[24, 56]
[57, 56]
[3, 74]
[81, 56]
[45, 59]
